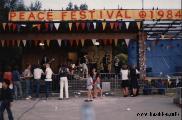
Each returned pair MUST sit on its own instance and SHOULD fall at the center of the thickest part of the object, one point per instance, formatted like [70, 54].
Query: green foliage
[70, 6]
[15, 5]
[37, 5]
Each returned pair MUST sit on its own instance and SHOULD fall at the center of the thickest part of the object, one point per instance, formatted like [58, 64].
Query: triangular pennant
[127, 24]
[94, 23]
[93, 41]
[7, 42]
[116, 42]
[36, 42]
[77, 42]
[24, 42]
[46, 26]
[14, 27]
[70, 26]
[112, 25]
[105, 41]
[38, 26]
[65, 42]
[18, 43]
[9, 25]
[47, 42]
[18, 27]
[71, 42]
[82, 41]
[59, 42]
[88, 25]
[104, 25]
[120, 25]
[83, 25]
[2, 43]
[56, 25]
[139, 25]
[127, 41]
[13, 43]
[110, 41]
[77, 25]
[4, 26]
[116, 25]
[51, 26]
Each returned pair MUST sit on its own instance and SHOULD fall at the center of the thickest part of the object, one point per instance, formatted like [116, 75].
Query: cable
[29, 109]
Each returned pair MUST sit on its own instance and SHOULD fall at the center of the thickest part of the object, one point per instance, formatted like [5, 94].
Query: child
[89, 88]
[97, 87]
[6, 99]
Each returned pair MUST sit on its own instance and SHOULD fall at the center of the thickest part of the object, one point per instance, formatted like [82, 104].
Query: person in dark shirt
[17, 83]
[6, 99]
[134, 80]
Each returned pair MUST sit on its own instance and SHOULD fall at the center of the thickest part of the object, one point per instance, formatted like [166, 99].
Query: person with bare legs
[89, 88]
[125, 80]
[97, 87]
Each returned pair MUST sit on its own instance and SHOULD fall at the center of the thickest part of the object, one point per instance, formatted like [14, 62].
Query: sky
[110, 4]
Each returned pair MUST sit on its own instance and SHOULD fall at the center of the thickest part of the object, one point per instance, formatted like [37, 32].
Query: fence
[111, 82]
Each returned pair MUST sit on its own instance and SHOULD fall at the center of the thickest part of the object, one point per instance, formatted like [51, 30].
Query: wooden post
[142, 58]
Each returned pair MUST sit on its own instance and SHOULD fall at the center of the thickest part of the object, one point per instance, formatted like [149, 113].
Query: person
[63, 73]
[84, 62]
[6, 99]
[116, 65]
[125, 80]
[89, 88]
[8, 74]
[97, 86]
[17, 83]
[37, 73]
[134, 80]
[106, 62]
[48, 79]
[27, 74]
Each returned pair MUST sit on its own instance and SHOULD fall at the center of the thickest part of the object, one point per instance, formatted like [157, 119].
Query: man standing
[28, 78]
[17, 83]
[63, 72]
[48, 79]
[37, 73]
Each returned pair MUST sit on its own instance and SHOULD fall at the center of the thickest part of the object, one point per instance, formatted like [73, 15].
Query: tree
[37, 5]
[15, 5]
[70, 6]
[84, 6]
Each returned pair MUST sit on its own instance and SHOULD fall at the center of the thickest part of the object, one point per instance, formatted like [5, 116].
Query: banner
[110, 14]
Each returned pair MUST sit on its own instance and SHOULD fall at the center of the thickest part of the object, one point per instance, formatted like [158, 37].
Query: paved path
[108, 108]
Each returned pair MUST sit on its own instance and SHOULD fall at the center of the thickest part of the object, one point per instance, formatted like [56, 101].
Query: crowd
[11, 85]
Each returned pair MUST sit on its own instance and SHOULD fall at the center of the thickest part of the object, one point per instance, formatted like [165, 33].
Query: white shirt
[89, 81]
[48, 74]
[124, 74]
[27, 73]
[37, 73]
